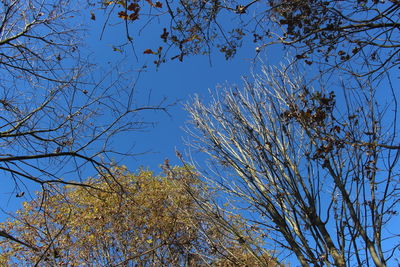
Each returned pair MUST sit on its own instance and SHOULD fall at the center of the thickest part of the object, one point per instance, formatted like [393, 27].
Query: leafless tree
[226, 224]
[315, 169]
[59, 111]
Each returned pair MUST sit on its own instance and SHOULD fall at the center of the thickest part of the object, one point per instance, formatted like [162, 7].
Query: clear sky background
[174, 81]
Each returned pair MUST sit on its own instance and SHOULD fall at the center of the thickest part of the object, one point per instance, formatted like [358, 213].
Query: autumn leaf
[157, 4]
[148, 51]
[134, 7]
[164, 35]
[301, 56]
[123, 15]
[92, 16]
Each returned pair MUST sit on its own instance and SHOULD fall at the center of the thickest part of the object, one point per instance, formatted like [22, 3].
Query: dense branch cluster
[57, 115]
[321, 177]
[358, 36]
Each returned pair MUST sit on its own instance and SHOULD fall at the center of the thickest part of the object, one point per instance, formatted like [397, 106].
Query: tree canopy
[129, 219]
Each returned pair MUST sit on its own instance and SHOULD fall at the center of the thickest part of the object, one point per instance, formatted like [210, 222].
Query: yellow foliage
[123, 218]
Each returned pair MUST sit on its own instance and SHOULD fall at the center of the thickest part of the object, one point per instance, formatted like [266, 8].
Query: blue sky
[176, 81]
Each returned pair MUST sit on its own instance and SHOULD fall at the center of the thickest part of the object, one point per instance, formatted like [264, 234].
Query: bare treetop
[59, 111]
[319, 175]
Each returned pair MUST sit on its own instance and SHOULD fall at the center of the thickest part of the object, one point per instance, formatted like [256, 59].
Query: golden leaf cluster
[120, 218]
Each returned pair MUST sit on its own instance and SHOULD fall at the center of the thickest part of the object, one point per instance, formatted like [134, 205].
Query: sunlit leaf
[123, 15]
[149, 51]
